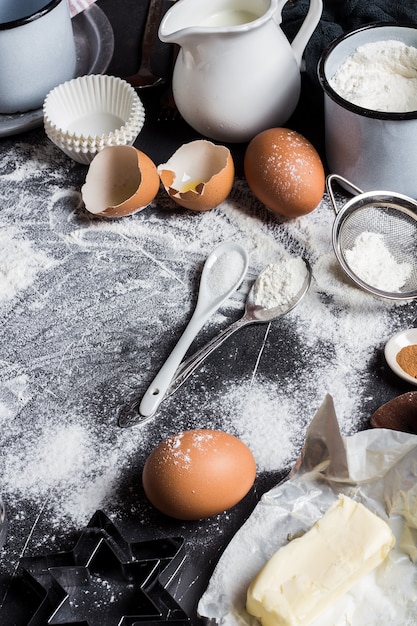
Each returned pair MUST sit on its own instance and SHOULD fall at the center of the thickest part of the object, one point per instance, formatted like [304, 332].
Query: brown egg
[198, 473]
[121, 180]
[285, 172]
[199, 175]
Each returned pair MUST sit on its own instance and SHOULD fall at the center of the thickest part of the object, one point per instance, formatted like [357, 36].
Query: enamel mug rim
[43, 10]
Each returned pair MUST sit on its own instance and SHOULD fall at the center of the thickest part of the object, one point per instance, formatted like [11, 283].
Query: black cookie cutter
[106, 581]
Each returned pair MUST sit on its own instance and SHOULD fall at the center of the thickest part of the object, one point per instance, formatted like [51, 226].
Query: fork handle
[189, 366]
[150, 33]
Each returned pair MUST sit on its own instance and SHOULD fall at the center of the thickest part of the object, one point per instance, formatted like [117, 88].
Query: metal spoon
[209, 300]
[145, 76]
[254, 314]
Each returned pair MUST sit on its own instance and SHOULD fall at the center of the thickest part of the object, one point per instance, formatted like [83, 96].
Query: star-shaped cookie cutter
[106, 580]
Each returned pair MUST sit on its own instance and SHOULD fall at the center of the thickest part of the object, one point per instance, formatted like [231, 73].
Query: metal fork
[168, 109]
[145, 76]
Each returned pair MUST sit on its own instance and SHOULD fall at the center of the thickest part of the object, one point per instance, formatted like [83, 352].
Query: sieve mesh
[395, 221]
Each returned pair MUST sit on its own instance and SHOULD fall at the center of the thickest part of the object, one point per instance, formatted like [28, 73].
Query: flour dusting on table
[91, 309]
[20, 263]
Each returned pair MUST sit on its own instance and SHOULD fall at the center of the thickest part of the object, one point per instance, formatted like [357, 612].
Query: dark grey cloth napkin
[341, 16]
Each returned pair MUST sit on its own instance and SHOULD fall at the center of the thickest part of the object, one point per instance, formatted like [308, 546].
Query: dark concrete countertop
[91, 309]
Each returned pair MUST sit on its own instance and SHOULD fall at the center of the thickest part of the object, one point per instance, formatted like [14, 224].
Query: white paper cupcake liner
[86, 114]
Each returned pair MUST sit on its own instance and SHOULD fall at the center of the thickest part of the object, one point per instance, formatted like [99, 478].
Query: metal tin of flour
[373, 149]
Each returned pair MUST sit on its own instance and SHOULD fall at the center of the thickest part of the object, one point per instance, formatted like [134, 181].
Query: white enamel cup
[373, 149]
[37, 51]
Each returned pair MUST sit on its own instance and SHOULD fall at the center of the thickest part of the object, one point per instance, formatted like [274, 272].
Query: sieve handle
[340, 180]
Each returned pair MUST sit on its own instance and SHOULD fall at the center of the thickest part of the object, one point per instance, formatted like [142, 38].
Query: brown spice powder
[407, 359]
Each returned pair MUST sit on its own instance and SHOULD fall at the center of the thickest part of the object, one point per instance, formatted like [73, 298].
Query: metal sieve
[391, 215]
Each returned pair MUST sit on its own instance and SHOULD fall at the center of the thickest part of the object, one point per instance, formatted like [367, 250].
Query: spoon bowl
[261, 314]
[254, 314]
[145, 76]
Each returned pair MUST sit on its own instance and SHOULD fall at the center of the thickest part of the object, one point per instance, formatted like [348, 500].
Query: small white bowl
[394, 345]
[84, 115]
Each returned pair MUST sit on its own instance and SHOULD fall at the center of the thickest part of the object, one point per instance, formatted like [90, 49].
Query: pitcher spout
[178, 21]
[189, 18]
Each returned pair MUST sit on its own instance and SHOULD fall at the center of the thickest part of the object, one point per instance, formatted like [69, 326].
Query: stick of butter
[308, 574]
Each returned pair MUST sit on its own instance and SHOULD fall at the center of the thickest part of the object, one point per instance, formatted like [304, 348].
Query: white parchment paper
[378, 468]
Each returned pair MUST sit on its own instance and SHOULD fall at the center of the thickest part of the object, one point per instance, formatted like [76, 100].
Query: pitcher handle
[307, 28]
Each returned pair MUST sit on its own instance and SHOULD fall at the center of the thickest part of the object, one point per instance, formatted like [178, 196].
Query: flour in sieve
[372, 261]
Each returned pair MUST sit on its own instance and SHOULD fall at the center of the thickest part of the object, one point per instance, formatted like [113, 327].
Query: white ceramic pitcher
[236, 72]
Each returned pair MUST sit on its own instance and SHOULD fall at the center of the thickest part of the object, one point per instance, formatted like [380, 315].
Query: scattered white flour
[20, 263]
[85, 333]
[279, 283]
[225, 272]
[372, 261]
[381, 76]
[182, 452]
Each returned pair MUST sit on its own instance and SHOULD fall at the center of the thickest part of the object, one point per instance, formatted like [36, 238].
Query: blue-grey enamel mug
[37, 51]
[373, 149]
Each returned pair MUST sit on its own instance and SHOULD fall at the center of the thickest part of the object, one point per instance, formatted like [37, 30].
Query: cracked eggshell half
[199, 175]
[121, 180]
